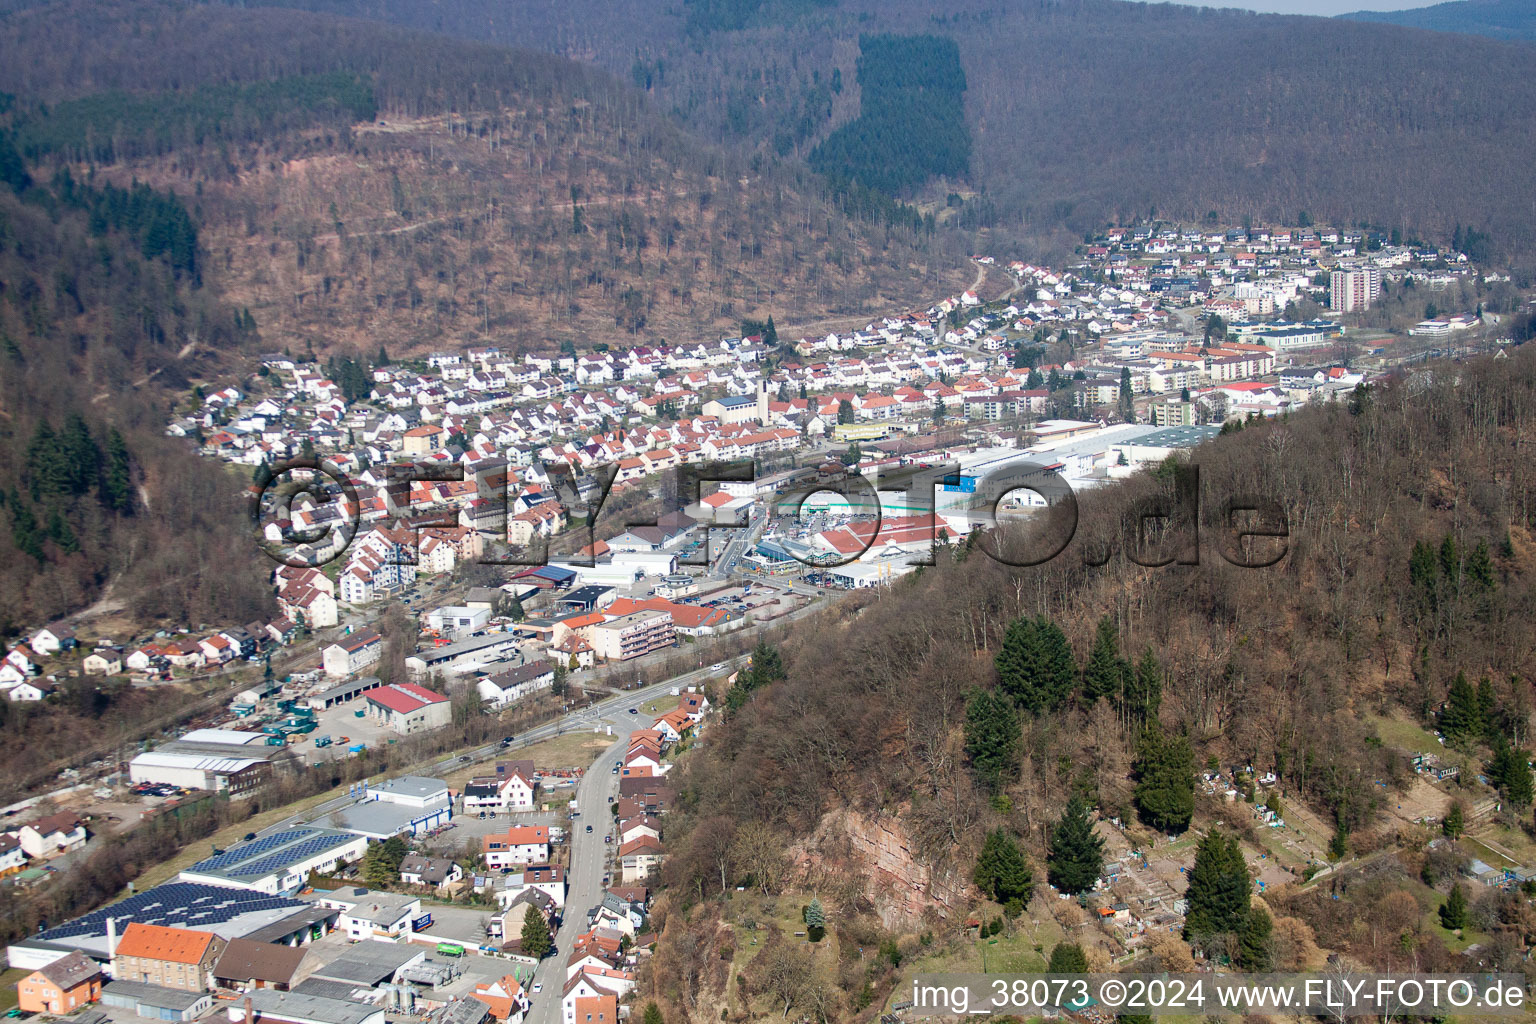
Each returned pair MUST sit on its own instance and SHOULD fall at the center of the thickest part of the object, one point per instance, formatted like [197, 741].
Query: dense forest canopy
[111, 126]
[911, 125]
[1088, 110]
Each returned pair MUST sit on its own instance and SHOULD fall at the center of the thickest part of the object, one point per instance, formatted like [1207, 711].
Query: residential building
[520, 844]
[57, 833]
[62, 987]
[1353, 288]
[503, 688]
[353, 653]
[437, 872]
[633, 635]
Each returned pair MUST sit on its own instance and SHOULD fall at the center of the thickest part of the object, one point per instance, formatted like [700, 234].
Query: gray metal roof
[153, 995]
[1177, 437]
[374, 818]
[307, 1007]
[412, 785]
[368, 963]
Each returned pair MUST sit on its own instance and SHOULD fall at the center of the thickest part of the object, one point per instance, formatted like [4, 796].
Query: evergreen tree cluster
[767, 667]
[911, 125]
[992, 738]
[1003, 872]
[1220, 907]
[60, 469]
[381, 863]
[1165, 780]
[353, 376]
[1453, 912]
[1478, 714]
[1076, 855]
[1510, 773]
[1067, 958]
[1035, 666]
[536, 939]
[157, 221]
[1447, 578]
[13, 171]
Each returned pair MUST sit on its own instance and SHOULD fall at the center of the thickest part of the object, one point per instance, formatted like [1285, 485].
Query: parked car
[589, 828]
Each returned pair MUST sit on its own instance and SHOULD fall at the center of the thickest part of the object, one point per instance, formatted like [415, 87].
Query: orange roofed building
[505, 997]
[179, 958]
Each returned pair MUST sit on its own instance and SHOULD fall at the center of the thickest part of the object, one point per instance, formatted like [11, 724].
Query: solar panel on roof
[287, 856]
[169, 903]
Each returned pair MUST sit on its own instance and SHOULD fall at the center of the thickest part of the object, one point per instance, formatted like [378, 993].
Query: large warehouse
[464, 656]
[278, 863]
[228, 913]
[218, 760]
[407, 708]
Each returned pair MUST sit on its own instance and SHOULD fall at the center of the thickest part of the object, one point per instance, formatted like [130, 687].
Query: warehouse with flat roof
[463, 656]
[228, 913]
[278, 863]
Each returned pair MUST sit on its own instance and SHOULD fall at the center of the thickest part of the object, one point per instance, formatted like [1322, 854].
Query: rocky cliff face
[903, 889]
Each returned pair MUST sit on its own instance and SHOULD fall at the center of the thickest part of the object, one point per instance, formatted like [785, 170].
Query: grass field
[8, 979]
[1009, 952]
[1406, 736]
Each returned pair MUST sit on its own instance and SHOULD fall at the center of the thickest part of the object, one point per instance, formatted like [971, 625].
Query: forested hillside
[1086, 110]
[102, 317]
[979, 697]
[359, 185]
[1497, 19]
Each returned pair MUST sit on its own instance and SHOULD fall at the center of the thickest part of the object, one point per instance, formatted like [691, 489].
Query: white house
[520, 844]
[351, 654]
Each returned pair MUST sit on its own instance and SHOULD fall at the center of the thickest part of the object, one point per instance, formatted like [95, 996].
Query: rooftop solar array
[245, 851]
[288, 855]
[270, 854]
[185, 904]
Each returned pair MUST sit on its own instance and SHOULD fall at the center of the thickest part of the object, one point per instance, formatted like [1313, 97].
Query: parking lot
[342, 721]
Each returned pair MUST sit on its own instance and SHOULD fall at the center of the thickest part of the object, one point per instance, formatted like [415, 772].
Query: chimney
[111, 938]
[250, 1012]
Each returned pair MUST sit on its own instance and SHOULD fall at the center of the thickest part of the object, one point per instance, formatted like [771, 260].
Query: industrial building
[218, 760]
[378, 821]
[407, 708]
[279, 862]
[458, 620]
[155, 1001]
[352, 653]
[418, 791]
[345, 692]
[302, 1008]
[464, 656]
[228, 913]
